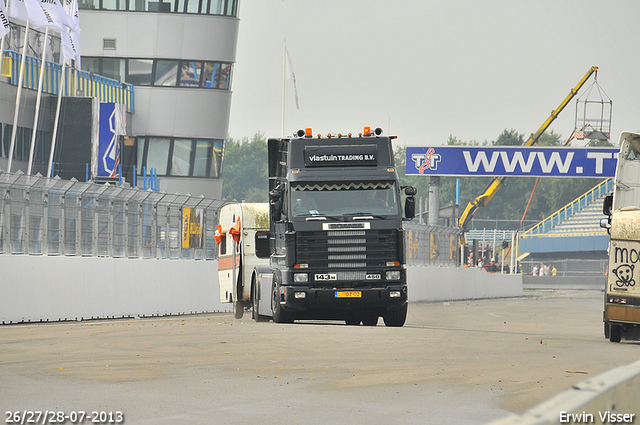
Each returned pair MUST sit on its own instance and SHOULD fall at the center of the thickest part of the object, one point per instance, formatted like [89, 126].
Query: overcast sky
[426, 69]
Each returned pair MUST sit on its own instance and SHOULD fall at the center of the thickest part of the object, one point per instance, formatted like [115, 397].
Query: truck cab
[622, 208]
[336, 237]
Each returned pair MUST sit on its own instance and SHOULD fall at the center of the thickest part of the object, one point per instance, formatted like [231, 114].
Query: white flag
[17, 9]
[48, 13]
[70, 48]
[71, 9]
[58, 13]
[4, 28]
[71, 43]
[292, 76]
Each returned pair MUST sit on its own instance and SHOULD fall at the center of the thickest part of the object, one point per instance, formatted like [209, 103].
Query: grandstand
[570, 239]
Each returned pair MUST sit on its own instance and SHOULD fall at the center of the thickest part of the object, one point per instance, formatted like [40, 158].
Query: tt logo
[429, 160]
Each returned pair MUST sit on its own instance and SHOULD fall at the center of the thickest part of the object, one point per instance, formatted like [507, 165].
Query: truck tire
[615, 333]
[395, 318]
[370, 319]
[279, 314]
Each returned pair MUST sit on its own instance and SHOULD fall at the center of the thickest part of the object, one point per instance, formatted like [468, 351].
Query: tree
[245, 169]
[509, 138]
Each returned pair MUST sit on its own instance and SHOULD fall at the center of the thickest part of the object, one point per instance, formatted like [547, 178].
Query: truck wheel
[352, 319]
[606, 330]
[371, 319]
[615, 333]
[395, 318]
[279, 314]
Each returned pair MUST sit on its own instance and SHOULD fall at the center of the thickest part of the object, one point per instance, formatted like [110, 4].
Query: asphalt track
[457, 362]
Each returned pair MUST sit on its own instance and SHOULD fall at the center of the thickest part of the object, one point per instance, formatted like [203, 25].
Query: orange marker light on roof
[308, 132]
[367, 131]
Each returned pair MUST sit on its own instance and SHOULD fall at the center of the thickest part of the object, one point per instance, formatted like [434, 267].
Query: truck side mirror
[410, 208]
[275, 203]
[409, 190]
[607, 205]
[410, 202]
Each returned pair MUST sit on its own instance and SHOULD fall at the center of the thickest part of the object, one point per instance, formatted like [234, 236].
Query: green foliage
[245, 171]
[600, 143]
[550, 139]
[508, 205]
[509, 138]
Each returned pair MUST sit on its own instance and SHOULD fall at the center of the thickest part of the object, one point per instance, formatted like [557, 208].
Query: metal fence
[568, 267]
[50, 216]
[431, 245]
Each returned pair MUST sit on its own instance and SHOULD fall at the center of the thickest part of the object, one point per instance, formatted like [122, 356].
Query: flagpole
[39, 96]
[55, 122]
[17, 109]
[2, 41]
[284, 81]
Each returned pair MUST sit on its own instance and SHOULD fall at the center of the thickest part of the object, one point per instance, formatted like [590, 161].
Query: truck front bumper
[302, 298]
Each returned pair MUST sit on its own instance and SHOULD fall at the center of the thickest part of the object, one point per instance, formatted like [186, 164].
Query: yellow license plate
[348, 294]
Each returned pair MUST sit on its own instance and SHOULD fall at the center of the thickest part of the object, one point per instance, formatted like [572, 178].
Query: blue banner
[512, 161]
[111, 117]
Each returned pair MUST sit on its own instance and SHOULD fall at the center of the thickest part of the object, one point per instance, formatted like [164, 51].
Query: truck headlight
[393, 275]
[300, 277]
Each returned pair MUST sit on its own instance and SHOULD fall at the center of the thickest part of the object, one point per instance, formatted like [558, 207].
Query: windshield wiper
[365, 215]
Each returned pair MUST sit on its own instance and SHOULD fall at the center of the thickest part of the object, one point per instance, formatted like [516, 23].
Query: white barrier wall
[460, 283]
[42, 288]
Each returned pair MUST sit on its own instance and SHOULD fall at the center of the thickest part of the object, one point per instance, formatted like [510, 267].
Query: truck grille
[347, 249]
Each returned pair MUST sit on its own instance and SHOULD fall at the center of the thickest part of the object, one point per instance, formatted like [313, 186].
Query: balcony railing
[77, 83]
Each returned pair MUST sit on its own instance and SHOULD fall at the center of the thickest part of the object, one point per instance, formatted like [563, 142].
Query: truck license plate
[348, 294]
[326, 276]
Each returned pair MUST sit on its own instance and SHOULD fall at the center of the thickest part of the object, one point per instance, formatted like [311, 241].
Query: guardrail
[568, 210]
[77, 83]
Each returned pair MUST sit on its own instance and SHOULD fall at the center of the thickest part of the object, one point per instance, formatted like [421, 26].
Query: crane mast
[492, 188]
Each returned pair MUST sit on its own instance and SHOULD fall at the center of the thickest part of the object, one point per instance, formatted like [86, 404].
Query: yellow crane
[497, 182]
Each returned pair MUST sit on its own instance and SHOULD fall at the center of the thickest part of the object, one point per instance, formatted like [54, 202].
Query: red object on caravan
[219, 234]
[235, 231]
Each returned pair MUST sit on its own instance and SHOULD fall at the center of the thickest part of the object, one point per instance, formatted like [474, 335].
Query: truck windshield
[377, 198]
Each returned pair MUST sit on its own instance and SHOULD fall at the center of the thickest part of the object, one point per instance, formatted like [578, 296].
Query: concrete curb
[606, 398]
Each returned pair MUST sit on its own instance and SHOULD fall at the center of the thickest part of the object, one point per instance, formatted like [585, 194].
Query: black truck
[336, 240]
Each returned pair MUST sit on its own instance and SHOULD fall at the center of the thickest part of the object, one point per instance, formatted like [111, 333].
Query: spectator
[534, 271]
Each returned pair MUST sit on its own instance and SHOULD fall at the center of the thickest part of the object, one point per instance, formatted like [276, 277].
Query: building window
[206, 7]
[202, 160]
[190, 74]
[113, 68]
[179, 156]
[139, 72]
[157, 155]
[162, 72]
[166, 73]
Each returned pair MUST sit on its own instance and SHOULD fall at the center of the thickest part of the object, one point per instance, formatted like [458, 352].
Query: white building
[179, 56]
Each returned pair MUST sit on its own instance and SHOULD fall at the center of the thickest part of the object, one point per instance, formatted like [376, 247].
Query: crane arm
[497, 182]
